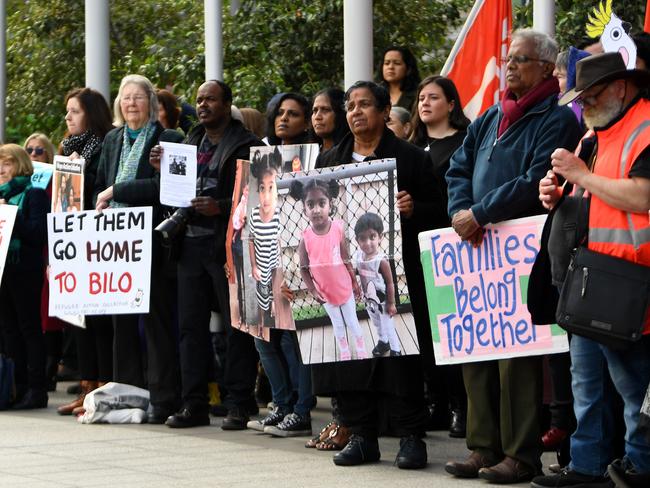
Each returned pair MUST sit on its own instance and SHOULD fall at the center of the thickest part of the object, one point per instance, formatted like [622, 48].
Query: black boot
[412, 453]
[32, 399]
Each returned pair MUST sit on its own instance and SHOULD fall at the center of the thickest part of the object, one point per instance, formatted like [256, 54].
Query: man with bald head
[221, 141]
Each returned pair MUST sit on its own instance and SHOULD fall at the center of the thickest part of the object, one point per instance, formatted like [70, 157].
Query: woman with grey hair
[124, 179]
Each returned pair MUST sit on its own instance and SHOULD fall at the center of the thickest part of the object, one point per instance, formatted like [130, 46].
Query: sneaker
[274, 417]
[293, 425]
[380, 349]
[395, 353]
[566, 477]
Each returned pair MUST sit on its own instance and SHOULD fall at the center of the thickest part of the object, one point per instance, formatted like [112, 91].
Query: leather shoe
[508, 471]
[412, 453]
[458, 424]
[236, 419]
[622, 473]
[186, 418]
[469, 468]
[358, 450]
[159, 415]
[31, 400]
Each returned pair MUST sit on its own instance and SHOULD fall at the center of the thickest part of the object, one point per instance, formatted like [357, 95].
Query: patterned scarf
[86, 145]
[130, 157]
[13, 192]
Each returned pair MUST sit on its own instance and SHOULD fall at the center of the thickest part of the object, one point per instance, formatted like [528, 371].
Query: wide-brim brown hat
[602, 68]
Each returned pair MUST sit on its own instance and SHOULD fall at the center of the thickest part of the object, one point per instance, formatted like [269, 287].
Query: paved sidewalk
[42, 449]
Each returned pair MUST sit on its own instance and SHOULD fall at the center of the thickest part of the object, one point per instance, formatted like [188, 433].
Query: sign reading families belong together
[477, 295]
[100, 262]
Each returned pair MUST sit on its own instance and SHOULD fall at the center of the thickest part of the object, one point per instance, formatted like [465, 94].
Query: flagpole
[461, 37]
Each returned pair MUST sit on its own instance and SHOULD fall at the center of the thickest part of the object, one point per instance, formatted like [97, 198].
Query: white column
[544, 16]
[357, 40]
[98, 46]
[3, 67]
[213, 10]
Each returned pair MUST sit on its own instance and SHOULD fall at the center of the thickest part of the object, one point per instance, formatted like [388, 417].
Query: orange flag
[646, 26]
[477, 63]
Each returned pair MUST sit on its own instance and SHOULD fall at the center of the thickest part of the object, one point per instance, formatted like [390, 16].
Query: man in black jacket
[221, 141]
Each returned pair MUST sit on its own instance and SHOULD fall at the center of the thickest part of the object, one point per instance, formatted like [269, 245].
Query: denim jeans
[630, 374]
[281, 362]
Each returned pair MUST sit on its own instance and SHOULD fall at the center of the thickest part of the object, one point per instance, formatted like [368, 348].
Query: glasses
[523, 59]
[591, 99]
[38, 151]
[136, 99]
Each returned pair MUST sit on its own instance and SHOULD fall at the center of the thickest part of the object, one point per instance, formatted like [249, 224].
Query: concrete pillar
[357, 40]
[213, 39]
[3, 67]
[544, 16]
[98, 47]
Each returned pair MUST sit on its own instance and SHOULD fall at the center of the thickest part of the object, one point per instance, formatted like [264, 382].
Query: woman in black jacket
[88, 119]
[125, 178]
[20, 289]
[368, 390]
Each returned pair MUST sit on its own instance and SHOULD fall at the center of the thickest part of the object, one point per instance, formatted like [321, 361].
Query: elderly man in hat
[619, 225]
[493, 177]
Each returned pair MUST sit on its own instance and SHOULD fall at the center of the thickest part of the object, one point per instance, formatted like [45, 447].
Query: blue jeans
[630, 374]
[283, 367]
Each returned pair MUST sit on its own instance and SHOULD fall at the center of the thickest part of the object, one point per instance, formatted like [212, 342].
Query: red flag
[476, 63]
[646, 26]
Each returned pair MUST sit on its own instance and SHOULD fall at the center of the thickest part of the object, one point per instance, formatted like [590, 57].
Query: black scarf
[86, 145]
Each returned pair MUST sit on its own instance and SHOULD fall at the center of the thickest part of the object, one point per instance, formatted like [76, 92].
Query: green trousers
[504, 403]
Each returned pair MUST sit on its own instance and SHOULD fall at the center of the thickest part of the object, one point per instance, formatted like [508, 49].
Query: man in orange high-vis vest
[619, 225]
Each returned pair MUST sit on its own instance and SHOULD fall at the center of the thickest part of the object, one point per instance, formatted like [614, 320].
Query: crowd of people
[571, 117]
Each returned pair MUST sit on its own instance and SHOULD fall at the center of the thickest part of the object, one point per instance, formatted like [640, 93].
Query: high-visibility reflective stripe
[620, 236]
[628, 145]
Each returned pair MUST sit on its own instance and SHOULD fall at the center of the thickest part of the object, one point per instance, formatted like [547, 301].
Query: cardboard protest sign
[477, 296]
[68, 184]
[7, 220]
[100, 263]
[341, 257]
[42, 174]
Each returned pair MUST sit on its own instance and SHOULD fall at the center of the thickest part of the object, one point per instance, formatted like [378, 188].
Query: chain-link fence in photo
[341, 254]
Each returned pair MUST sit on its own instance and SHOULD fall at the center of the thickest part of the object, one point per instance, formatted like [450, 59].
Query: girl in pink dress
[325, 263]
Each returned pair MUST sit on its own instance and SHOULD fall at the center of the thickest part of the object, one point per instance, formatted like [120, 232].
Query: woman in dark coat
[88, 120]
[124, 179]
[367, 390]
[22, 279]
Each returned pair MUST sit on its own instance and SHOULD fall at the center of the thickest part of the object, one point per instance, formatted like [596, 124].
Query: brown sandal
[336, 440]
[322, 435]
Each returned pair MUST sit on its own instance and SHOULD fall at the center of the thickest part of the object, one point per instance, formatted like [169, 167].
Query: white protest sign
[100, 263]
[177, 174]
[7, 219]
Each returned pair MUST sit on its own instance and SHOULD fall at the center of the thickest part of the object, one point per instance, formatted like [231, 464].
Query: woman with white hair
[125, 178]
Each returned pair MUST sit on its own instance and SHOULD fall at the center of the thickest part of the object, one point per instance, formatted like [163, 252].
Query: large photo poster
[477, 296]
[341, 257]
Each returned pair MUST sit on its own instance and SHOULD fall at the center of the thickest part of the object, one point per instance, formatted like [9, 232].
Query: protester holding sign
[20, 290]
[88, 119]
[492, 178]
[125, 178]
[220, 142]
[369, 390]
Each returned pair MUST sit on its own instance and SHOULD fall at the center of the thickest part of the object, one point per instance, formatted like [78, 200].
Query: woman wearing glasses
[39, 148]
[126, 179]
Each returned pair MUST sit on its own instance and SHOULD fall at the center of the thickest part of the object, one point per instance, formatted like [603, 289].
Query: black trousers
[200, 278]
[160, 332]
[95, 348]
[364, 412]
[20, 322]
